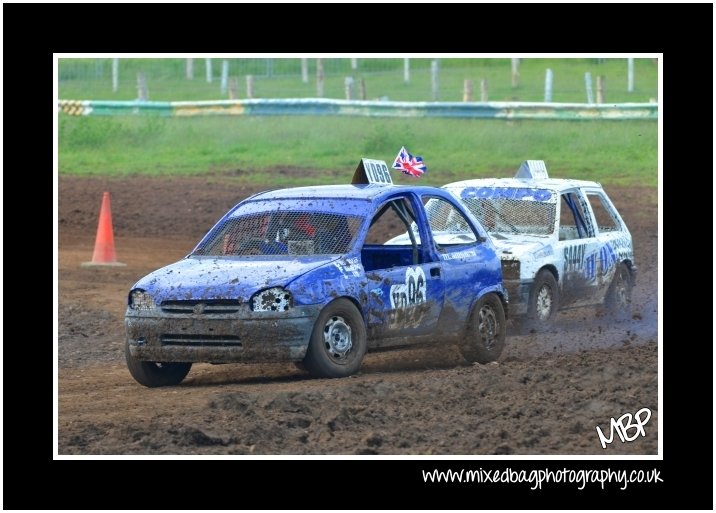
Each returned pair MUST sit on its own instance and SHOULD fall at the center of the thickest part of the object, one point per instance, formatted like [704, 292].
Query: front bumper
[519, 293]
[518, 290]
[243, 336]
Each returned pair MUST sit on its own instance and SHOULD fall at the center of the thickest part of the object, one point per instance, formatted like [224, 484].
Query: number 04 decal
[410, 293]
[408, 300]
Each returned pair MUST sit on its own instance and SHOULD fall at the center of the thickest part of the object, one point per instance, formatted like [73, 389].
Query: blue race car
[305, 275]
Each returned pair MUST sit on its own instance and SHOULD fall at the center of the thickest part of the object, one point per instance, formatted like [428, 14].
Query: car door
[404, 286]
[579, 249]
[468, 264]
[613, 237]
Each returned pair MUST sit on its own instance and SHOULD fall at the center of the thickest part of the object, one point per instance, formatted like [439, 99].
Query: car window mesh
[282, 233]
[443, 217]
[513, 216]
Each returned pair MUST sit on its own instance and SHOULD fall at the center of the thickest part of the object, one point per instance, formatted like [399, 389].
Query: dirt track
[546, 395]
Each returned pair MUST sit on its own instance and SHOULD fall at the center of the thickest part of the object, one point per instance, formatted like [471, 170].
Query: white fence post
[354, 63]
[249, 86]
[406, 71]
[115, 75]
[142, 93]
[233, 88]
[630, 75]
[467, 90]
[515, 73]
[548, 86]
[349, 83]
[434, 79]
[190, 69]
[208, 71]
[483, 90]
[224, 76]
[319, 78]
[600, 89]
[588, 85]
[304, 71]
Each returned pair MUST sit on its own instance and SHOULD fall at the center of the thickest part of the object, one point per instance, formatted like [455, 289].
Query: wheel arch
[632, 270]
[352, 299]
[551, 268]
[500, 293]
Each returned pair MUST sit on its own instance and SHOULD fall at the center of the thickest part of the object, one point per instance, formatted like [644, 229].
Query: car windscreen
[512, 210]
[281, 232]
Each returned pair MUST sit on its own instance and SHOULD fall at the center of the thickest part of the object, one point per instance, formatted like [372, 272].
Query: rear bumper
[244, 336]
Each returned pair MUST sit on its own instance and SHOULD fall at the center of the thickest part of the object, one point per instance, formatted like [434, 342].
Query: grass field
[252, 149]
[306, 150]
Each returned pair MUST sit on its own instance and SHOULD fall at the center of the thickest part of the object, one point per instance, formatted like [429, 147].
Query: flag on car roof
[409, 164]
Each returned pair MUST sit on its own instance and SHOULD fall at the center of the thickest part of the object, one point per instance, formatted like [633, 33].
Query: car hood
[224, 278]
[512, 248]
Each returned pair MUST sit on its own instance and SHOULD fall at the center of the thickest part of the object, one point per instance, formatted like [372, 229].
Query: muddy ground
[545, 395]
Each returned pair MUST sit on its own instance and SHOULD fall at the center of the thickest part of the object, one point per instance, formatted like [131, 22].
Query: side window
[572, 221]
[390, 222]
[393, 239]
[606, 222]
[447, 224]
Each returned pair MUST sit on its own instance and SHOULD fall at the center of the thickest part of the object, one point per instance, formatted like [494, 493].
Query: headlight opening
[141, 300]
[276, 299]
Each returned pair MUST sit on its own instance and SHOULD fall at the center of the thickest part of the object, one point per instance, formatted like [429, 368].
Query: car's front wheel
[156, 374]
[485, 335]
[338, 341]
[544, 300]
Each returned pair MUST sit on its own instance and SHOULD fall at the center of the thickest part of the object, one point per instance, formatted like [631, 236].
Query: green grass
[283, 151]
[90, 79]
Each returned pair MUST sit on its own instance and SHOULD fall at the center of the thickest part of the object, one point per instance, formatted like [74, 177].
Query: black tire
[485, 335]
[544, 300]
[156, 374]
[338, 341]
[618, 298]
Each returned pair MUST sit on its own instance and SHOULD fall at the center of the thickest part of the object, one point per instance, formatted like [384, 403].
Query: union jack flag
[409, 164]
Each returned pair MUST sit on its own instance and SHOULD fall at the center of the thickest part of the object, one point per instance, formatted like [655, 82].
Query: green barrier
[326, 107]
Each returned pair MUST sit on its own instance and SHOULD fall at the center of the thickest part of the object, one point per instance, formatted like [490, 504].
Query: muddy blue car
[314, 275]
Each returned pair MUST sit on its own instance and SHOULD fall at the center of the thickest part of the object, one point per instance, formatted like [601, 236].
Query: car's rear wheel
[618, 299]
[338, 341]
[544, 300]
[156, 374]
[485, 336]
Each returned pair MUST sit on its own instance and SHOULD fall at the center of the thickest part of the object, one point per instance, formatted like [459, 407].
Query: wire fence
[396, 79]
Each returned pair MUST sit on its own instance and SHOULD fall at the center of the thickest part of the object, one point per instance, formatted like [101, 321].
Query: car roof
[360, 191]
[555, 184]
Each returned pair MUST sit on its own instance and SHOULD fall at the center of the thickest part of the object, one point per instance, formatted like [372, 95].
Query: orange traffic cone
[104, 243]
